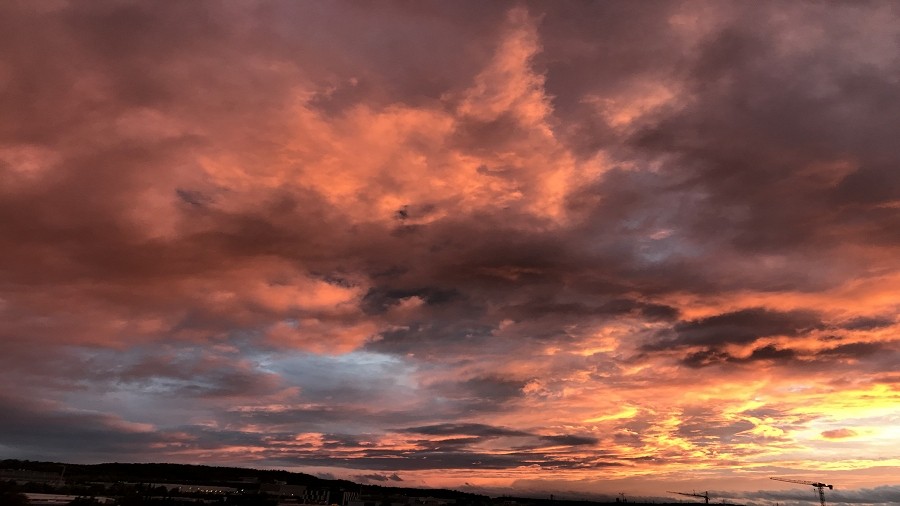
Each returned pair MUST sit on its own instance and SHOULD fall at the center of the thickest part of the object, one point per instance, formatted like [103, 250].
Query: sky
[565, 247]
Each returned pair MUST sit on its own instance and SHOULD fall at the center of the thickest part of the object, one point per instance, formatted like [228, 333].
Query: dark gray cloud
[378, 301]
[855, 350]
[739, 327]
[706, 357]
[473, 429]
[786, 356]
[570, 440]
[712, 356]
[34, 428]
[481, 394]
[867, 323]
[542, 306]
[758, 126]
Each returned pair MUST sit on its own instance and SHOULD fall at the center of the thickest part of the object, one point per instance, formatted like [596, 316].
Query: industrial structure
[704, 495]
[815, 484]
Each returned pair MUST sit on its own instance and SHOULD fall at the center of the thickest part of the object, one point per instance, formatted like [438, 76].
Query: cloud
[711, 356]
[375, 478]
[886, 494]
[838, 433]
[440, 238]
[868, 323]
[465, 429]
[35, 428]
[740, 327]
[569, 440]
[854, 350]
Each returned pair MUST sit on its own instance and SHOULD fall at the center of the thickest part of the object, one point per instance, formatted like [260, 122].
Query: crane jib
[819, 486]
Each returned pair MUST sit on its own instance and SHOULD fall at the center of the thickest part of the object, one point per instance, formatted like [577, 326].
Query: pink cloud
[839, 434]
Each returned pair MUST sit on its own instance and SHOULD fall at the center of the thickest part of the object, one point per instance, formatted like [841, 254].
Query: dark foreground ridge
[24, 482]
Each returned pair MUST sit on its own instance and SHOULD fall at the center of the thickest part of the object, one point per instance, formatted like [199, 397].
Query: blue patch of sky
[359, 376]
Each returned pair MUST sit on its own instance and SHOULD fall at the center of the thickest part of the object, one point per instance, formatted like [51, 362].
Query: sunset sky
[508, 247]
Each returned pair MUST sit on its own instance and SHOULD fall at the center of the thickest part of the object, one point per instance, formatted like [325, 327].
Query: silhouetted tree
[13, 499]
[11, 494]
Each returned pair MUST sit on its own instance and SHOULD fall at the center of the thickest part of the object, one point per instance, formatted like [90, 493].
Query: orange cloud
[838, 434]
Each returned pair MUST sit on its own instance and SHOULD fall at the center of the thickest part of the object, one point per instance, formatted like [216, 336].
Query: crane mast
[815, 484]
[704, 495]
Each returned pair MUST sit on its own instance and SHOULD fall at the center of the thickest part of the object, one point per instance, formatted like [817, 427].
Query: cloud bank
[447, 243]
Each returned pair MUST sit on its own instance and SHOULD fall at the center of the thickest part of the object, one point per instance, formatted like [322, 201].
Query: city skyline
[551, 247]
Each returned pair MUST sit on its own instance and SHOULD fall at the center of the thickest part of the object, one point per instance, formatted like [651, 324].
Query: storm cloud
[544, 241]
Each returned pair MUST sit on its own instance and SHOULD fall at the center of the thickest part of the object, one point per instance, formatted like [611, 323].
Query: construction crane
[704, 495]
[816, 484]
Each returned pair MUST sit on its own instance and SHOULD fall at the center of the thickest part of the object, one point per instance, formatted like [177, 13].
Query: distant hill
[229, 476]
[197, 474]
